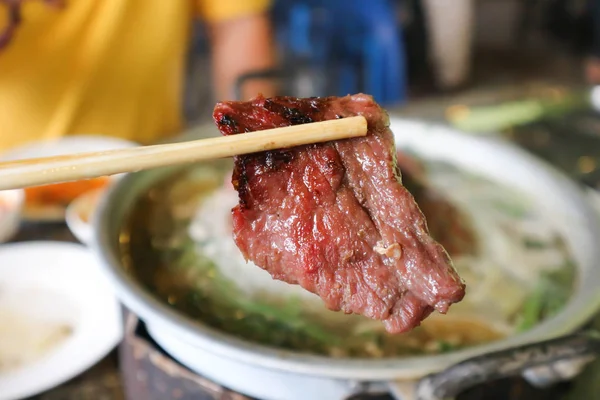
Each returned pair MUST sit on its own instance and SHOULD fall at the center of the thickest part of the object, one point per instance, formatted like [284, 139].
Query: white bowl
[11, 204]
[80, 215]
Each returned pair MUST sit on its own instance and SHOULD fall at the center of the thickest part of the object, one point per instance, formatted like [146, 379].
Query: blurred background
[156, 71]
[522, 68]
[141, 72]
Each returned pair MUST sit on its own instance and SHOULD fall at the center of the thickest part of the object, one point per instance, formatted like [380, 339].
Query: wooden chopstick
[48, 170]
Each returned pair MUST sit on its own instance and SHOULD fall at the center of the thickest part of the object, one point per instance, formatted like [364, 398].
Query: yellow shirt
[112, 67]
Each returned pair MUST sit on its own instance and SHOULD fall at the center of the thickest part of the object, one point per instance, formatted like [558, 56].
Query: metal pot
[544, 354]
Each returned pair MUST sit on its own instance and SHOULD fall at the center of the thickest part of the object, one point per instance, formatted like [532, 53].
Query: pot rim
[158, 315]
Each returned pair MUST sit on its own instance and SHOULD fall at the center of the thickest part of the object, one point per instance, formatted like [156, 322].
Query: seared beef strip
[334, 217]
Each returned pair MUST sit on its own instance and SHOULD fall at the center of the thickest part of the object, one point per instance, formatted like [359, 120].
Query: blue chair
[356, 44]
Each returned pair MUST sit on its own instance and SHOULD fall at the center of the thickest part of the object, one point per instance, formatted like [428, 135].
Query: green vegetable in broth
[550, 295]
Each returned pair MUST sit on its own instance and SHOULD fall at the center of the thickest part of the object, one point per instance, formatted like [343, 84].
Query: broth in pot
[178, 242]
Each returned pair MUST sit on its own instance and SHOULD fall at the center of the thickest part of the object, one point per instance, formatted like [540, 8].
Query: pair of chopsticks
[49, 170]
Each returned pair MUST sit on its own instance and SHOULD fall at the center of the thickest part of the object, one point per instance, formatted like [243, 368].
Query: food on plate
[49, 202]
[31, 326]
[62, 193]
[334, 218]
[177, 242]
[24, 341]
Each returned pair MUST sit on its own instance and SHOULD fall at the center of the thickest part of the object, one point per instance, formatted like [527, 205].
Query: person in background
[117, 67]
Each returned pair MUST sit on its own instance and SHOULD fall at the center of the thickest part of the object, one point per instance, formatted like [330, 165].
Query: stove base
[148, 373]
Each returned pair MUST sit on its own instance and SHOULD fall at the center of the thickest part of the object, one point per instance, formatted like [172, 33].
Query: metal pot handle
[542, 364]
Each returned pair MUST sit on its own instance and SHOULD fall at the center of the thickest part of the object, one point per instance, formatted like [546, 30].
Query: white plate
[62, 146]
[68, 278]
